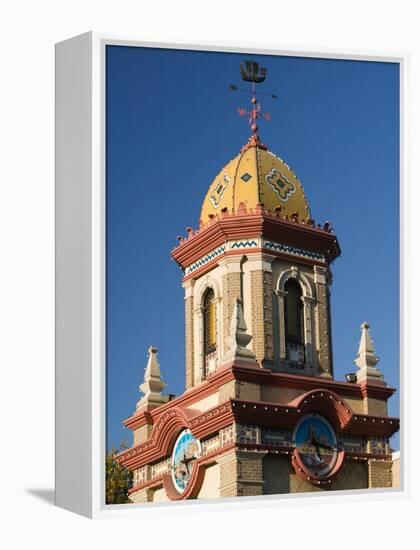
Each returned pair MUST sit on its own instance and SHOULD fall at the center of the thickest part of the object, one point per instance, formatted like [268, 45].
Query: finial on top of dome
[252, 72]
[254, 141]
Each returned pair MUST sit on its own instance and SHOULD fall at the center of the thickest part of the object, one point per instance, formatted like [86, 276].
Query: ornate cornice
[202, 425]
[272, 226]
[245, 372]
[286, 380]
[233, 248]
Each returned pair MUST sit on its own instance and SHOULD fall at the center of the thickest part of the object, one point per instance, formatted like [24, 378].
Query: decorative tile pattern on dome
[271, 245]
[281, 185]
[246, 177]
[205, 259]
[219, 190]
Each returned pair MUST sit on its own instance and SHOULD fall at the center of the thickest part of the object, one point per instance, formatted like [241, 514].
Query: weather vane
[252, 72]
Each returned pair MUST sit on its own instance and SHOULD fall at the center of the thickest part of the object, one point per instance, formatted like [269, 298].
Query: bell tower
[258, 242]
[262, 413]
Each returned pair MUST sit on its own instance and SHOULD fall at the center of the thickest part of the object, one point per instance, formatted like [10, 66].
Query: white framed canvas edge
[80, 276]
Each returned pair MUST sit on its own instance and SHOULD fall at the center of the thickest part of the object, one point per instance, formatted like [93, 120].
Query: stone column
[231, 291]
[322, 321]
[281, 295]
[262, 306]
[199, 366]
[189, 334]
[308, 331]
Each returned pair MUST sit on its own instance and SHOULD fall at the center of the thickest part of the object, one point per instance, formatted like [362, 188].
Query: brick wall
[227, 391]
[241, 474]
[356, 405]
[140, 435]
[235, 389]
[380, 473]
[144, 495]
[249, 391]
[262, 314]
[228, 475]
[377, 407]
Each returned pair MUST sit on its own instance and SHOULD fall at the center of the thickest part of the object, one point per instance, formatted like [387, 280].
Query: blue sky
[172, 125]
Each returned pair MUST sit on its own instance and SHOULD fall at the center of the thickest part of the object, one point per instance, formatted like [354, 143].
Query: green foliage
[118, 478]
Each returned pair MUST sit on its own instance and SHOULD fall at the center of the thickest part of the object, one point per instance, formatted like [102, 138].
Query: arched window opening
[210, 334]
[293, 317]
[293, 312]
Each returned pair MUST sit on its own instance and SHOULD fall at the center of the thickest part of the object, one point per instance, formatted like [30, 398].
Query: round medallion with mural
[316, 446]
[186, 450]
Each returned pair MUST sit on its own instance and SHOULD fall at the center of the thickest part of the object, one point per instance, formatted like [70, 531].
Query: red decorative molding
[161, 441]
[255, 223]
[303, 472]
[212, 421]
[270, 378]
[356, 455]
[206, 388]
[335, 409]
[257, 374]
[326, 403]
[193, 487]
[202, 425]
[167, 428]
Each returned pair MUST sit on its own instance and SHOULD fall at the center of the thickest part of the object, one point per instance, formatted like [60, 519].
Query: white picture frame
[80, 273]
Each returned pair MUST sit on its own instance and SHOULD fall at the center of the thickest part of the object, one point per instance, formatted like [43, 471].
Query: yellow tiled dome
[255, 176]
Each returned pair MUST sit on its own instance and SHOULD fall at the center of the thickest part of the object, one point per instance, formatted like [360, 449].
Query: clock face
[316, 444]
[186, 450]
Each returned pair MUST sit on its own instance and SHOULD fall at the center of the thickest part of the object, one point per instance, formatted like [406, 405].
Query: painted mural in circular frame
[186, 450]
[316, 446]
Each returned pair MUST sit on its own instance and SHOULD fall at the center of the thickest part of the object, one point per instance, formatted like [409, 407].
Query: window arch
[293, 313]
[209, 315]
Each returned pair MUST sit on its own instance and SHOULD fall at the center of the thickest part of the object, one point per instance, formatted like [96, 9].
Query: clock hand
[317, 449]
[314, 443]
[186, 462]
[326, 446]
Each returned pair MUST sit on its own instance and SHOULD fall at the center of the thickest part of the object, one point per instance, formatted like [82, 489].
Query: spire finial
[252, 72]
[153, 383]
[238, 338]
[366, 359]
